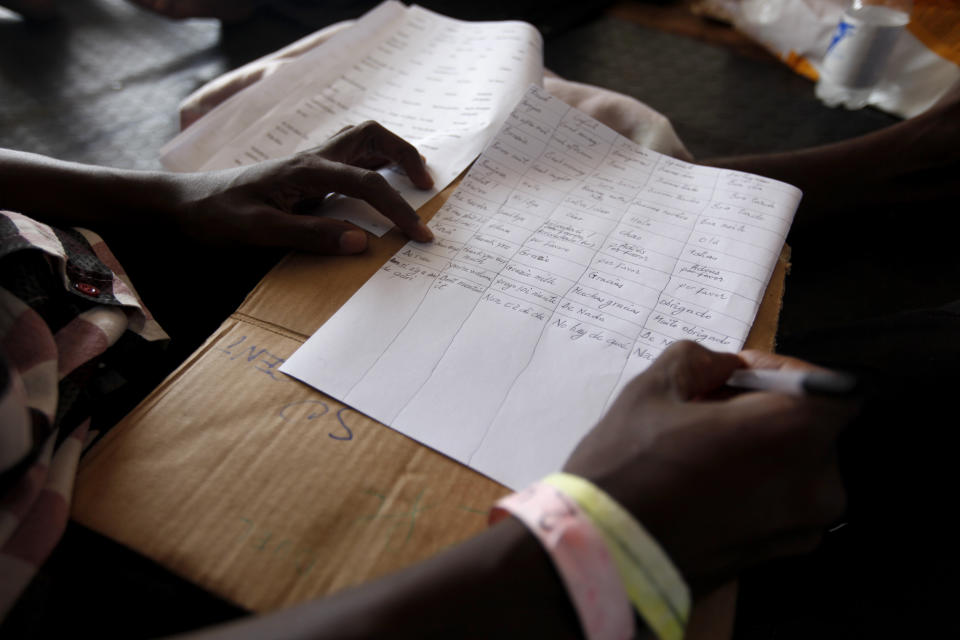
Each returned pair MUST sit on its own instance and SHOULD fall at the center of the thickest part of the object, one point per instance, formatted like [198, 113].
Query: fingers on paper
[371, 145]
[374, 189]
[686, 370]
[308, 233]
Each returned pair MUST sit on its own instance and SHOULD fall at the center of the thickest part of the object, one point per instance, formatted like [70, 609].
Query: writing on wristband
[652, 583]
[580, 555]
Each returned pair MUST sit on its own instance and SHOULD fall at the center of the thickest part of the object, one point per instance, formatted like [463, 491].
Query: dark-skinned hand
[260, 204]
[724, 481]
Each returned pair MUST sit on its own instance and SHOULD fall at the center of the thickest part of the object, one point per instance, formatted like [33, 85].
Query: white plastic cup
[858, 54]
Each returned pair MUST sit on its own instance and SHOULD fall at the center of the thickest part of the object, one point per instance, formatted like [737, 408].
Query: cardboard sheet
[269, 493]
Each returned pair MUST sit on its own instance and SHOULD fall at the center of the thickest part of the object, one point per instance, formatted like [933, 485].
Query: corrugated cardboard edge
[763, 333]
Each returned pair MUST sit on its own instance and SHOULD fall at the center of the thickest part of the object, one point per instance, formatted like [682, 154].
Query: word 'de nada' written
[564, 263]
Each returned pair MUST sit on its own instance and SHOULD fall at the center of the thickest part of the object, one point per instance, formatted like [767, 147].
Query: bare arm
[256, 204]
[914, 162]
[499, 584]
[722, 483]
[69, 193]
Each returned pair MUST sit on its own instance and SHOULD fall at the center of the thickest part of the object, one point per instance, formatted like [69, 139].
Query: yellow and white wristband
[652, 583]
[580, 555]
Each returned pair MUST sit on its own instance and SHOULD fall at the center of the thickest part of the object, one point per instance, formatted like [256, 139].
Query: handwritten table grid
[520, 188]
[565, 262]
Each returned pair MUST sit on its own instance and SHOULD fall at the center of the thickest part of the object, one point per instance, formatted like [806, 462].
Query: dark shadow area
[94, 587]
[888, 573]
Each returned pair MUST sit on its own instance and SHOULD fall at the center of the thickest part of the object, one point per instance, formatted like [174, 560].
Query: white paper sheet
[564, 263]
[442, 84]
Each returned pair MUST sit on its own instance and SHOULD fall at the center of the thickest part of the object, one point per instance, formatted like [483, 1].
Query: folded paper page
[564, 263]
[444, 85]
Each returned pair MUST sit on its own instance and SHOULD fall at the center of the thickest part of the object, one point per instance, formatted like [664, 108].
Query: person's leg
[889, 572]
[897, 449]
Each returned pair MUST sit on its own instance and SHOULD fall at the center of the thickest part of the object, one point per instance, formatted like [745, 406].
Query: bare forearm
[499, 584]
[912, 162]
[254, 204]
[68, 193]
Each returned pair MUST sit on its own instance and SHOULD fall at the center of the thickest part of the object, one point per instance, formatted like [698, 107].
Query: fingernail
[424, 234]
[353, 241]
[429, 178]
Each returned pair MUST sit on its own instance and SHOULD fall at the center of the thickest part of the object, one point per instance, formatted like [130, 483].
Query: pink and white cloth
[64, 302]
